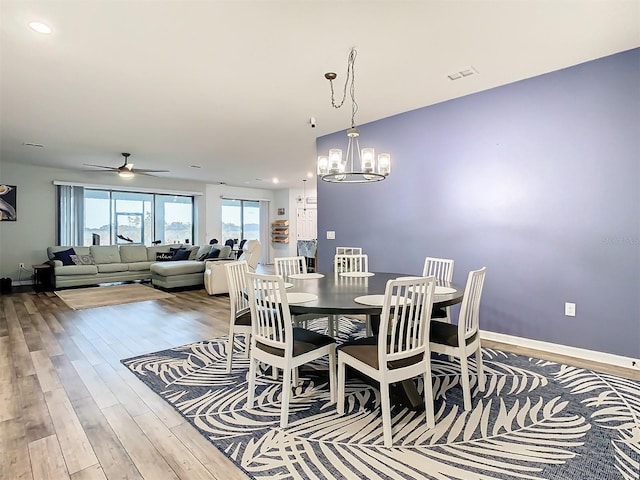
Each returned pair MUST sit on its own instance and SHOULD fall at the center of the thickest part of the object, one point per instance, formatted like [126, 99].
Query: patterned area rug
[92, 297]
[536, 420]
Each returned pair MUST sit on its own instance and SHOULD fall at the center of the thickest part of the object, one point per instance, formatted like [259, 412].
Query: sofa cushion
[213, 253]
[180, 254]
[105, 254]
[82, 260]
[79, 250]
[202, 253]
[164, 256]
[193, 252]
[168, 269]
[65, 270]
[139, 266]
[65, 256]
[226, 252]
[112, 267]
[151, 252]
[133, 253]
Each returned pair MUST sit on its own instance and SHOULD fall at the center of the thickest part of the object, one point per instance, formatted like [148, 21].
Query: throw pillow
[82, 259]
[181, 254]
[163, 256]
[213, 253]
[193, 252]
[65, 256]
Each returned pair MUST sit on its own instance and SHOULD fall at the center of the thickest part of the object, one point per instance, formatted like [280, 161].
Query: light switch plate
[331, 235]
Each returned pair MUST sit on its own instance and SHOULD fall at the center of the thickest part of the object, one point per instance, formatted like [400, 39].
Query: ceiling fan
[126, 170]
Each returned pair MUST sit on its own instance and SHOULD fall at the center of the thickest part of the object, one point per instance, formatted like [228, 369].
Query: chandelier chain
[352, 88]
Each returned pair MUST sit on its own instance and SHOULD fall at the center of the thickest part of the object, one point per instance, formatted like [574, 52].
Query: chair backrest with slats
[286, 266]
[469, 320]
[237, 282]
[441, 268]
[350, 263]
[348, 250]
[270, 317]
[406, 318]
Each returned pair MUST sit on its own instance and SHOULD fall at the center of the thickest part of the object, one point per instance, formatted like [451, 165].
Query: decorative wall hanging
[8, 194]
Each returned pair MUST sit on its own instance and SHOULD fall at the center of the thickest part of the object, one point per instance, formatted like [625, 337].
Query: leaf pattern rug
[535, 420]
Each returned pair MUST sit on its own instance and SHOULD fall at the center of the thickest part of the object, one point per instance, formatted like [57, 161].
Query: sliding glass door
[240, 220]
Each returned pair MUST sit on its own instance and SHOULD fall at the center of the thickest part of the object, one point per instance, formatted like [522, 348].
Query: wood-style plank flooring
[69, 409]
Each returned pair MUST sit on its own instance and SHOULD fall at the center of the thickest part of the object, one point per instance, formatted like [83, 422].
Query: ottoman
[182, 273]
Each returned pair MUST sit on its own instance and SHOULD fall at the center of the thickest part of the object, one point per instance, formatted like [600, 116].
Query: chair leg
[464, 380]
[229, 351]
[480, 370]
[295, 379]
[247, 342]
[341, 380]
[252, 382]
[332, 372]
[385, 404]
[286, 395]
[428, 398]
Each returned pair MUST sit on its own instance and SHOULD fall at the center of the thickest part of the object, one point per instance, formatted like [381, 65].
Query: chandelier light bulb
[368, 159]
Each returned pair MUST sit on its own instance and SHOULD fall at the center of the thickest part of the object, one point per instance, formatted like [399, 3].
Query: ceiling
[230, 86]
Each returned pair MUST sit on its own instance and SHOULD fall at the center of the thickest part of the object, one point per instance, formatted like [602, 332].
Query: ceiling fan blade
[145, 170]
[113, 169]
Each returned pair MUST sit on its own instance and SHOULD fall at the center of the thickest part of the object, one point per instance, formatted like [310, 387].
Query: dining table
[338, 294]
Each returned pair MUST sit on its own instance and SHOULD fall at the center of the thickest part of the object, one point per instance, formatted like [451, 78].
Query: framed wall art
[8, 203]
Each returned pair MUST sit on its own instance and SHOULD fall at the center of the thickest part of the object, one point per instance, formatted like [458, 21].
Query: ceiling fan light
[126, 174]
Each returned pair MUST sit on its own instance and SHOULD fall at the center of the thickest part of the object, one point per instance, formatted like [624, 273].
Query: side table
[42, 277]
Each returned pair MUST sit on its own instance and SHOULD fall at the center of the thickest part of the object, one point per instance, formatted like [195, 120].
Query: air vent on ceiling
[462, 73]
[36, 145]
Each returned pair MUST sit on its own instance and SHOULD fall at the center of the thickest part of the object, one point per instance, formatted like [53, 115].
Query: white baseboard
[582, 353]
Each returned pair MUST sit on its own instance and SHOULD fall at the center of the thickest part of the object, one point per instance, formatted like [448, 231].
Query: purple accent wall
[538, 180]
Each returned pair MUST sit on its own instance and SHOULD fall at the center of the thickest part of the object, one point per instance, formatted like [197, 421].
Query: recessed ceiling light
[275, 180]
[40, 27]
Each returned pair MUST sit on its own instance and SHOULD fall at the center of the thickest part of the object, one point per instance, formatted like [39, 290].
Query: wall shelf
[280, 231]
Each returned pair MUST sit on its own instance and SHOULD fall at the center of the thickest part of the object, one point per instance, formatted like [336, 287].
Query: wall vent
[462, 73]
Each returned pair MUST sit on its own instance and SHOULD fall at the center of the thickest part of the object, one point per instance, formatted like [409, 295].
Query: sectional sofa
[111, 263]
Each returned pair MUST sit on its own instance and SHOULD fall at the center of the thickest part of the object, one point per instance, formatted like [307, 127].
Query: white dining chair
[286, 266]
[344, 263]
[276, 342]
[348, 250]
[463, 339]
[350, 263]
[240, 319]
[399, 352]
[442, 269]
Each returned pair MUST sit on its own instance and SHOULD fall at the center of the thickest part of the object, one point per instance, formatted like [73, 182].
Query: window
[240, 219]
[110, 217]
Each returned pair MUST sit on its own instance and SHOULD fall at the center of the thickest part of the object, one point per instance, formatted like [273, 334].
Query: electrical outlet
[21, 265]
[331, 235]
[570, 309]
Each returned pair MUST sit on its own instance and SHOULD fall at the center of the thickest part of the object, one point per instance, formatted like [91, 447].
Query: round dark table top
[336, 293]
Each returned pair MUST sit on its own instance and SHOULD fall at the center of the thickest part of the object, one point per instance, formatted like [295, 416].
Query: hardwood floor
[69, 409]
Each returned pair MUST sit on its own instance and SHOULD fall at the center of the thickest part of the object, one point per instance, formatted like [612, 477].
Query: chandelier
[366, 168]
